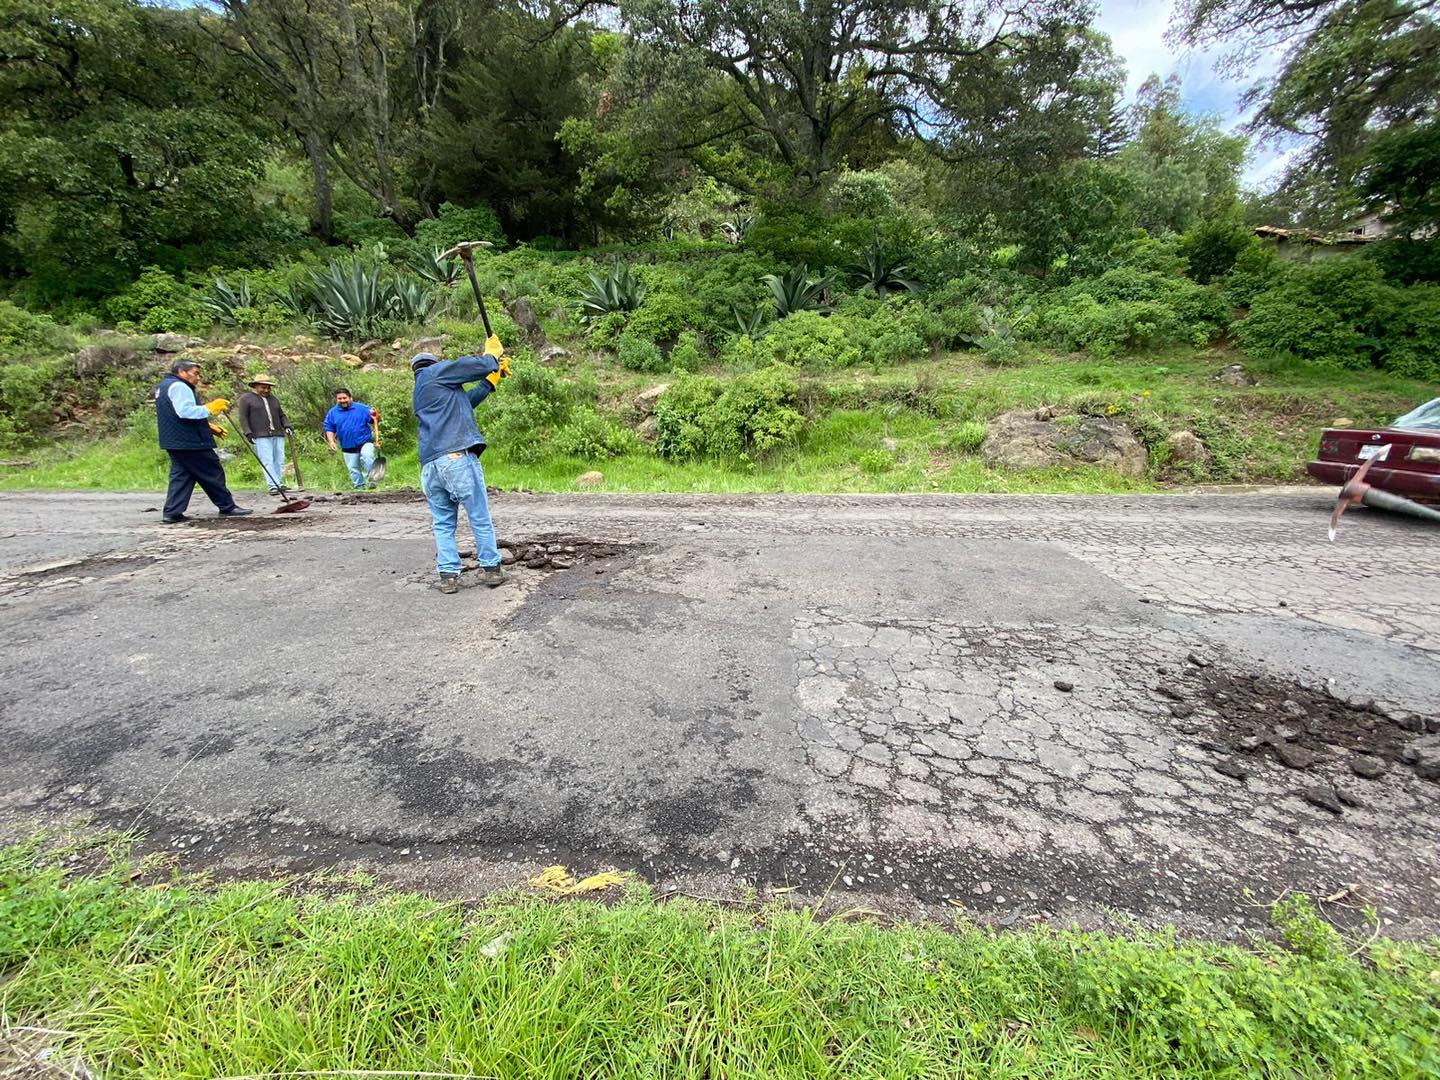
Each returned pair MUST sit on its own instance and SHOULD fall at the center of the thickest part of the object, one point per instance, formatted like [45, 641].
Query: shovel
[377, 470]
[289, 505]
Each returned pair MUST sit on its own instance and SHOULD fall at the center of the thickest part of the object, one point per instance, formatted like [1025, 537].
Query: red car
[1408, 453]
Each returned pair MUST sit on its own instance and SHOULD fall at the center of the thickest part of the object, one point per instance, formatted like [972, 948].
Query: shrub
[1257, 269]
[1212, 247]
[875, 462]
[967, 438]
[664, 315]
[878, 272]
[1406, 261]
[808, 339]
[454, 224]
[1126, 309]
[157, 303]
[639, 353]
[590, 436]
[685, 356]
[23, 334]
[28, 399]
[745, 414]
[615, 290]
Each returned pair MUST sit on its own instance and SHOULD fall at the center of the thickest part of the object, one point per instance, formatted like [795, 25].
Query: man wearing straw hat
[263, 422]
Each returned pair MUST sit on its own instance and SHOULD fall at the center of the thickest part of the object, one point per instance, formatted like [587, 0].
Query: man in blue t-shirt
[450, 449]
[347, 429]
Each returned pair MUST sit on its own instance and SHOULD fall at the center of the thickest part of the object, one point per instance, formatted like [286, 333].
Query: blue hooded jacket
[445, 410]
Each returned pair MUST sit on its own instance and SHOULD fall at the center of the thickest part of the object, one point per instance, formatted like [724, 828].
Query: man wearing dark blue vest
[188, 436]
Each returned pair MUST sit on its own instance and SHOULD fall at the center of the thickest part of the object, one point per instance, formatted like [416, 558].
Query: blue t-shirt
[351, 426]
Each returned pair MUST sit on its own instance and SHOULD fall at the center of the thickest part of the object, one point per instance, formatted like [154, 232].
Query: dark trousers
[191, 467]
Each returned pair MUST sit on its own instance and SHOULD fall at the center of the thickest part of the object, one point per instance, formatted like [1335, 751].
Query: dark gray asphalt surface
[928, 701]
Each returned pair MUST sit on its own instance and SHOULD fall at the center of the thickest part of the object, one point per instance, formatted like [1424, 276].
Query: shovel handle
[375, 428]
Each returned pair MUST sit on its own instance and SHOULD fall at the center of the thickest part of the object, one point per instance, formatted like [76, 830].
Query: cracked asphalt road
[1012, 704]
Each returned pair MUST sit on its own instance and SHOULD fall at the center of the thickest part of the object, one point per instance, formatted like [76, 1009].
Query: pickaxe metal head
[466, 249]
[1357, 492]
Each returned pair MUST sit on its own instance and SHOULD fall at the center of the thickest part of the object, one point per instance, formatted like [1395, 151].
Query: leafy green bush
[454, 225]
[157, 303]
[1212, 247]
[639, 353]
[1341, 311]
[1257, 269]
[664, 315]
[742, 415]
[685, 356]
[875, 462]
[1127, 309]
[967, 438]
[808, 339]
[878, 272]
[588, 435]
[24, 334]
[1405, 261]
[537, 414]
[28, 399]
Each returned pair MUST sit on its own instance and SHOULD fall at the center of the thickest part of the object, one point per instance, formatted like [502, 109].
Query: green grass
[179, 979]
[913, 427]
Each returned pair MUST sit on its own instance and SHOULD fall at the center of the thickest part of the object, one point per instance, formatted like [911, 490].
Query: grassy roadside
[913, 427]
[179, 979]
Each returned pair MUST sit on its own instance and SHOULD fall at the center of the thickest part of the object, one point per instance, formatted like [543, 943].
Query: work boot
[176, 520]
[493, 576]
[236, 511]
[449, 583]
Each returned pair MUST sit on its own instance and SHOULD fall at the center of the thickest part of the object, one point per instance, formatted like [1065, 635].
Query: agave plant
[408, 300]
[223, 301]
[749, 323]
[796, 291]
[433, 267]
[615, 290]
[350, 298]
[875, 273]
[297, 300]
[738, 228]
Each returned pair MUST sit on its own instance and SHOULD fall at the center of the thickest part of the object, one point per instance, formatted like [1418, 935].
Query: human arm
[330, 430]
[183, 399]
[246, 428]
[463, 370]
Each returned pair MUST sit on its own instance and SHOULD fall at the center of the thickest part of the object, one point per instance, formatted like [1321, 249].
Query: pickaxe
[466, 250]
[1357, 492]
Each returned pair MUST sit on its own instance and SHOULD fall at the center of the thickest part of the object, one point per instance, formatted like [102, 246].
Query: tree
[122, 142]
[1182, 168]
[1352, 68]
[812, 81]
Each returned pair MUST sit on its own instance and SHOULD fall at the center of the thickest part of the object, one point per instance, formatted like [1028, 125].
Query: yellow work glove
[493, 346]
[219, 405]
[218, 431]
[495, 376]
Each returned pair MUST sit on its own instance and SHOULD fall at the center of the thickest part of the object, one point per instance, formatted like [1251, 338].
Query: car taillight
[1425, 453]
[1329, 446]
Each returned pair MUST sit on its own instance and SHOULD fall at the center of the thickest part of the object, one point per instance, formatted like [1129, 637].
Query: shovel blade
[292, 507]
[377, 471]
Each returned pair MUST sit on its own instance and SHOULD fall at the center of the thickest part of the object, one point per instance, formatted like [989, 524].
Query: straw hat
[260, 380]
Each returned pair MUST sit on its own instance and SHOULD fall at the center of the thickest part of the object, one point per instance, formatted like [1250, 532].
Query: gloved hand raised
[504, 367]
[219, 405]
[493, 346]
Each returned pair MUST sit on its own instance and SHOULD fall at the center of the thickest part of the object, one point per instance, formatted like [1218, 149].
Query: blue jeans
[449, 483]
[271, 451]
[360, 464]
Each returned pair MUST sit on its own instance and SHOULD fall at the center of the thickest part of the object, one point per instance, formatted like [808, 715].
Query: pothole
[258, 522]
[547, 553]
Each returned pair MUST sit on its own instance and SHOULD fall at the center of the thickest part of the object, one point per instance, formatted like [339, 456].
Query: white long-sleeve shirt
[186, 407]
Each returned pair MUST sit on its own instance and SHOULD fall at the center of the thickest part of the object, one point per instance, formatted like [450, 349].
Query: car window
[1425, 418]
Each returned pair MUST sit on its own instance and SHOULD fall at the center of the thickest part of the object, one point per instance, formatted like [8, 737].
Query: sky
[1137, 29]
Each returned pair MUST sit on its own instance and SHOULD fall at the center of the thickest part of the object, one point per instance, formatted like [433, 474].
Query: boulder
[646, 399]
[1342, 421]
[434, 345]
[551, 352]
[174, 343]
[525, 319]
[1423, 755]
[1187, 448]
[94, 359]
[1021, 440]
[351, 360]
[1234, 375]
[649, 428]
[593, 478]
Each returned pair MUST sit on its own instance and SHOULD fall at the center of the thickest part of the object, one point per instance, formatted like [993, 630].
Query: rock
[369, 346]
[1368, 766]
[649, 428]
[646, 399]
[1342, 421]
[1250, 743]
[593, 478]
[890, 445]
[1296, 757]
[1424, 756]
[1063, 686]
[1234, 375]
[559, 562]
[1348, 798]
[434, 345]
[1186, 447]
[507, 556]
[351, 360]
[551, 352]
[1215, 746]
[174, 343]
[1166, 690]
[1017, 440]
[94, 359]
[1231, 768]
[525, 319]
[1180, 710]
[1323, 796]
[371, 367]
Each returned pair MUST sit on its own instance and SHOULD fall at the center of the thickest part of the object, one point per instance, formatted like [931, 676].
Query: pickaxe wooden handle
[466, 251]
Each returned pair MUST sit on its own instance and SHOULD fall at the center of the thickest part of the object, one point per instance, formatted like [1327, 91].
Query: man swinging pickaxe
[1357, 492]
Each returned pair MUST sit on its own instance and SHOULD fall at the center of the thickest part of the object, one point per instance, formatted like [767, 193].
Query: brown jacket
[262, 417]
